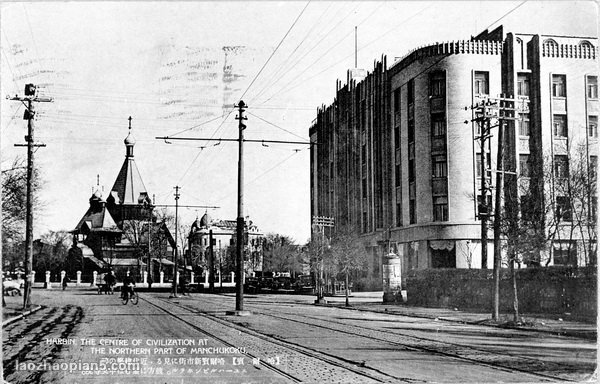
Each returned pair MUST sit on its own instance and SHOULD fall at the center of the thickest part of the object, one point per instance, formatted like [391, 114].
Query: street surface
[286, 339]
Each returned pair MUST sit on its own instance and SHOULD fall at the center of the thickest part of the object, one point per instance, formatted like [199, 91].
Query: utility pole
[239, 276]
[505, 108]
[497, 219]
[176, 244]
[211, 263]
[30, 97]
[320, 222]
[505, 112]
[240, 225]
[483, 120]
[149, 268]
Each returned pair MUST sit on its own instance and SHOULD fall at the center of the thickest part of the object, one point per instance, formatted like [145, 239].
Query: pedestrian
[150, 281]
[183, 284]
[110, 281]
[64, 282]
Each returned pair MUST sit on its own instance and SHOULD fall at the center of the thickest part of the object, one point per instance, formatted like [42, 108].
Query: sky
[177, 68]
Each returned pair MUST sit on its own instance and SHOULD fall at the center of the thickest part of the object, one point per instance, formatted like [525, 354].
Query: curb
[562, 332]
[22, 315]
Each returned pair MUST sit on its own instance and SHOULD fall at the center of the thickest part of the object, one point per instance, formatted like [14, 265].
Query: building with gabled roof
[113, 233]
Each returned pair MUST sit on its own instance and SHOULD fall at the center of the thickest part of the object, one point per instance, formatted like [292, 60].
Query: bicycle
[129, 295]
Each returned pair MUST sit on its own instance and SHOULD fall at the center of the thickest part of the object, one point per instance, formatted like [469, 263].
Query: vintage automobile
[12, 287]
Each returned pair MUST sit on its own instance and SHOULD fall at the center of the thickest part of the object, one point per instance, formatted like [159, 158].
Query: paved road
[286, 339]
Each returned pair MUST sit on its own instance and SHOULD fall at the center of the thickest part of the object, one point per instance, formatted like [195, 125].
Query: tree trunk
[347, 294]
[514, 284]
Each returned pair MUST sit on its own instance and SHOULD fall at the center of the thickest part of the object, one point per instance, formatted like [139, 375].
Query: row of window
[437, 86]
[559, 86]
[561, 166]
[560, 127]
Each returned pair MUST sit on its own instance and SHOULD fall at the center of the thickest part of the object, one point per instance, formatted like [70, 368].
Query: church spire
[129, 142]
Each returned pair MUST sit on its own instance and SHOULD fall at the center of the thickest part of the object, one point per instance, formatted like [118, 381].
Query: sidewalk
[558, 324]
[14, 310]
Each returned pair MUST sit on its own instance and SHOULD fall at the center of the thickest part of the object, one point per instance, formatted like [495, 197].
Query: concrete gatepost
[177, 278]
[48, 284]
[161, 277]
[219, 277]
[192, 278]
[32, 278]
[392, 279]
[206, 277]
[145, 277]
[94, 278]
[78, 278]
[233, 277]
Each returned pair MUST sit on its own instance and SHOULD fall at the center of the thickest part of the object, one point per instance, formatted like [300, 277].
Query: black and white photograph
[249, 192]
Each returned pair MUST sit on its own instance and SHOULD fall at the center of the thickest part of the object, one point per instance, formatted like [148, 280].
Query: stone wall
[541, 290]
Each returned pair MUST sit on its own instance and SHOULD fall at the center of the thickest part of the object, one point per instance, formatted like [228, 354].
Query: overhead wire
[327, 35]
[261, 175]
[250, 85]
[283, 65]
[276, 48]
[284, 89]
[8, 61]
[506, 14]
[275, 125]
[37, 53]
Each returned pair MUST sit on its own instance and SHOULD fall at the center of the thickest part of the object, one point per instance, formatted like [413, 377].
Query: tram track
[467, 353]
[480, 356]
[301, 362]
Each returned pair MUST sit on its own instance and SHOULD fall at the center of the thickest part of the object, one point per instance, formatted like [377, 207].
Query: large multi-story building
[399, 157]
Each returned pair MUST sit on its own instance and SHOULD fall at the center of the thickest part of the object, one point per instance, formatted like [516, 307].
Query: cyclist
[128, 284]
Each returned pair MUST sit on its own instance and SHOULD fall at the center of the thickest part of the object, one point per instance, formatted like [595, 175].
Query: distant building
[113, 233]
[224, 237]
[397, 163]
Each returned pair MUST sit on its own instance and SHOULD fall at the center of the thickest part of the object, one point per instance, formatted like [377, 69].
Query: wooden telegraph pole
[239, 246]
[30, 97]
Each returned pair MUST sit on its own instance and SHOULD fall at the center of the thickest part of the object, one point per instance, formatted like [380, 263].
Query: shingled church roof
[97, 217]
[129, 187]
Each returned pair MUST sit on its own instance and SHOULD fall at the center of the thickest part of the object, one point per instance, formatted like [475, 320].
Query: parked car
[303, 283]
[282, 282]
[252, 285]
[12, 287]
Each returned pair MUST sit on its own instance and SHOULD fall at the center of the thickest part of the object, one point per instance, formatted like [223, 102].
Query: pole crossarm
[185, 206]
[236, 140]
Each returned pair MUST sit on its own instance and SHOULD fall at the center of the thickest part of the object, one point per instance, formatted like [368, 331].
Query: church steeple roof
[97, 217]
[129, 187]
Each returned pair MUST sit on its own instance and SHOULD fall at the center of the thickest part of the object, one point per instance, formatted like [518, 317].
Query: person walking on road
[64, 282]
[150, 281]
[110, 281]
[183, 284]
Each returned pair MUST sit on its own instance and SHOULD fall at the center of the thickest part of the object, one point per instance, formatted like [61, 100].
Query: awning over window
[163, 261]
[127, 263]
[439, 245]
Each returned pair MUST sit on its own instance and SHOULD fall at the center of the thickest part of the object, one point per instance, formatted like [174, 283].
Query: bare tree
[566, 210]
[349, 255]
[14, 186]
[280, 254]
